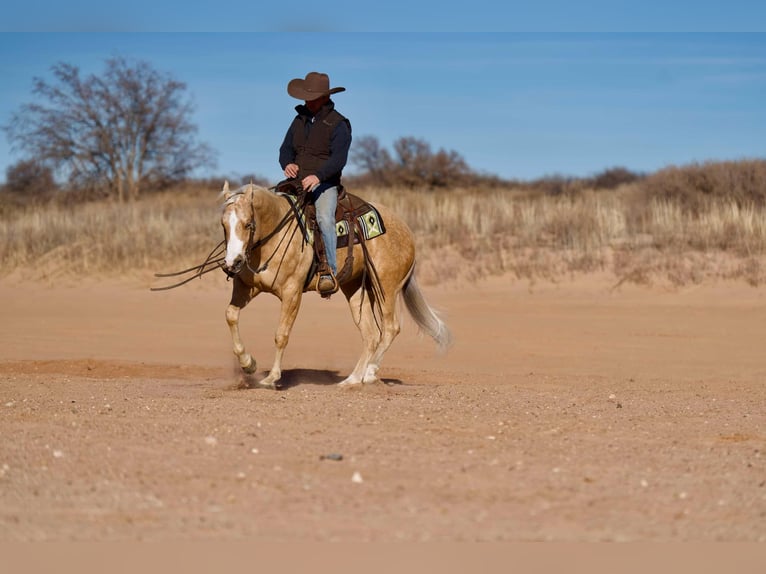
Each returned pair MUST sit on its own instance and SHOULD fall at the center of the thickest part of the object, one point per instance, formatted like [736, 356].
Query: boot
[327, 284]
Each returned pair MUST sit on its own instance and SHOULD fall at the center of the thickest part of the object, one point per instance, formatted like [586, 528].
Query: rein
[215, 258]
[291, 214]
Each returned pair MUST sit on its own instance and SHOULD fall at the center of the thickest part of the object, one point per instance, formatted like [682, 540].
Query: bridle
[292, 213]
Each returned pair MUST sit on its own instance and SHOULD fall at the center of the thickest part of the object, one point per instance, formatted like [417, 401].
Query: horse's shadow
[299, 377]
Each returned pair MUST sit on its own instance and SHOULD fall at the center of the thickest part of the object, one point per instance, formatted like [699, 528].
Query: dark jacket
[318, 144]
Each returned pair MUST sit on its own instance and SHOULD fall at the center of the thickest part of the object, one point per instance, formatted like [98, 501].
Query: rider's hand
[310, 182]
[291, 170]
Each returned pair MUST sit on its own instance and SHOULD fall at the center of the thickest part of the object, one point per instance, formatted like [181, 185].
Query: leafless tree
[412, 164]
[372, 159]
[125, 130]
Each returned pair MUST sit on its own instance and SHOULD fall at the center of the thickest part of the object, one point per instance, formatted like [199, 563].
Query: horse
[266, 251]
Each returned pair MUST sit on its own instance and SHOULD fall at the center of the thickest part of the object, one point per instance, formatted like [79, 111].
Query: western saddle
[356, 221]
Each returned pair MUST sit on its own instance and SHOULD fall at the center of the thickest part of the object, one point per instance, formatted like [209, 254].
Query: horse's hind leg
[387, 332]
[362, 313]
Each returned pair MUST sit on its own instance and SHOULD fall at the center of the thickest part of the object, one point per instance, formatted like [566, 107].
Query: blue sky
[516, 104]
[389, 16]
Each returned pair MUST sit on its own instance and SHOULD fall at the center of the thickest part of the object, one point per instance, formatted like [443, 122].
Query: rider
[315, 151]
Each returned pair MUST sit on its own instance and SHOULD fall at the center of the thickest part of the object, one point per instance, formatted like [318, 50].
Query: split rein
[216, 257]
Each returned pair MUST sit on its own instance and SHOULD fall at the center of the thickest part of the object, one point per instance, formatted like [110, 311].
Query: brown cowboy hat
[314, 86]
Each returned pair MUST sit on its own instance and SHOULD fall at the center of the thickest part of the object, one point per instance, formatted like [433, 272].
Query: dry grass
[462, 234]
[468, 234]
[106, 238]
[696, 186]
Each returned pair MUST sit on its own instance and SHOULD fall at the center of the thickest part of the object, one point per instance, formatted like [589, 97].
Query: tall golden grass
[462, 235]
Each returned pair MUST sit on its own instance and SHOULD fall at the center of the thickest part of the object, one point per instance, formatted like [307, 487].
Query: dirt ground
[566, 412]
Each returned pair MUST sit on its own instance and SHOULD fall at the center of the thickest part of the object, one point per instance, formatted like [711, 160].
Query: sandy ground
[565, 412]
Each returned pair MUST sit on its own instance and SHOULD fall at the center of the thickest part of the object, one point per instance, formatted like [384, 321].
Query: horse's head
[238, 226]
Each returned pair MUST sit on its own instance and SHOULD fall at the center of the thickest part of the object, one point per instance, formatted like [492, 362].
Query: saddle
[356, 222]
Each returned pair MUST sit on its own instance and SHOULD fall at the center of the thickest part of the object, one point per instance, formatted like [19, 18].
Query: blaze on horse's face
[237, 221]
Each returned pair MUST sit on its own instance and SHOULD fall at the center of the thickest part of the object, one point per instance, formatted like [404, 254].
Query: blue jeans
[326, 200]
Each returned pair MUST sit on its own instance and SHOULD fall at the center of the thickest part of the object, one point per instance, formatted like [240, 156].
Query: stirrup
[327, 284]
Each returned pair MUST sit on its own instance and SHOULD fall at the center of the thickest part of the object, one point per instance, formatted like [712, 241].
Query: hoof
[349, 384]
[268, 385]
[251, 367]
[271, 383]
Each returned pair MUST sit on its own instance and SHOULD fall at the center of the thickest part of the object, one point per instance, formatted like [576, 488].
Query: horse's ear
[225, 191]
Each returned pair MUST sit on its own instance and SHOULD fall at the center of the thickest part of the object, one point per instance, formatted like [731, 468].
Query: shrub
[30, 178]
[695, 186]
[613, 178]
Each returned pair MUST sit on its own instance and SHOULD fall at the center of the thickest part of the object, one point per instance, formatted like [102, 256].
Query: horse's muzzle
[234, 269]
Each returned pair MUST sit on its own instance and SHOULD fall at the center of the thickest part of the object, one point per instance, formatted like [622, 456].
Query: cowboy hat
[314, 86]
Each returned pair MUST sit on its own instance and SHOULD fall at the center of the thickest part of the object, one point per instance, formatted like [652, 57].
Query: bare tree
[370, 157]
[126, 130]
[412, 164]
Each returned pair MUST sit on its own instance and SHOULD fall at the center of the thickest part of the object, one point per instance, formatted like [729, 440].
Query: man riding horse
[314, 152]
[265, 235]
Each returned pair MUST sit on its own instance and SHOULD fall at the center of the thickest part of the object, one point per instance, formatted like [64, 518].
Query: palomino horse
[266, 252]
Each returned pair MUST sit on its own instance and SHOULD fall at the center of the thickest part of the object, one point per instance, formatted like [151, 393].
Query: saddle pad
[369, 222]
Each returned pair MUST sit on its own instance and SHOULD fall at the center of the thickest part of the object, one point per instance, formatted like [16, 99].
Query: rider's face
[315, 105]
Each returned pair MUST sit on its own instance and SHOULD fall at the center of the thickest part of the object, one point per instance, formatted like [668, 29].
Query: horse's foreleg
[246, 360]
[289, 311]
[241, 296]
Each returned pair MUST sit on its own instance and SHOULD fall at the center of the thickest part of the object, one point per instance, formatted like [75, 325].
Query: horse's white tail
[426, 318]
